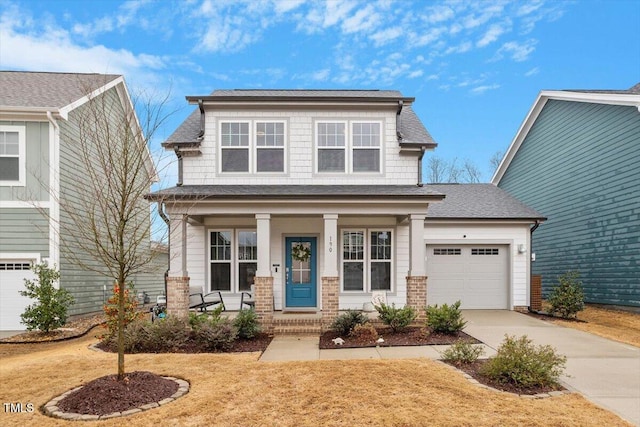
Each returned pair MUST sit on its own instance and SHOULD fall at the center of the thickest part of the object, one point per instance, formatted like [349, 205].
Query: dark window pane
[235, 160]
[380, 276]
[9, 169]
[366, 160]
[331, 160]
[246, 274]
[221, 276]
[353, 276]
[271, 160]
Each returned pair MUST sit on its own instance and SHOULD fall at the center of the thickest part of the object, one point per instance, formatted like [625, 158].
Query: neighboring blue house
[576, 159]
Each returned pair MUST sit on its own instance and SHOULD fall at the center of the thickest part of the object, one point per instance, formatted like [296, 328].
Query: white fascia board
[27, 114]
[558, 95]
[64, 111]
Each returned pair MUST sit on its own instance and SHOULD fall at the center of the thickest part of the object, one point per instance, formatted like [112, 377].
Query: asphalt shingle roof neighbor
[47, 90]
[411, 128]
[478, 201]
[633, 90]
[294, 191]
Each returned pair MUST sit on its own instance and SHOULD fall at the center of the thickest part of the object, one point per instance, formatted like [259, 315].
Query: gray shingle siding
[579, 165]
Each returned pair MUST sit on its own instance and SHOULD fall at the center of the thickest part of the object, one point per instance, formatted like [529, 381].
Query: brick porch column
[264, 301]
[417, 295]
[178, 296]
[330, 295]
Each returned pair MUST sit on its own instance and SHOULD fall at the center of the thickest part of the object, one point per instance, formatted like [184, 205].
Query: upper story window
[12, 155]
[247, 146]
[346, 147]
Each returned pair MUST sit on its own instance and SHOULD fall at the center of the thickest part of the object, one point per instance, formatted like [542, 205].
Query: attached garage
[12, 304]
[477, 275]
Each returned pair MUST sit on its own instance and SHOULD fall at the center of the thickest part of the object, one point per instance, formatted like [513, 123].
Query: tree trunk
[121, 294]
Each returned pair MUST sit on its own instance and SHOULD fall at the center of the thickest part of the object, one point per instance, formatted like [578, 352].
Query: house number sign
[330, 243]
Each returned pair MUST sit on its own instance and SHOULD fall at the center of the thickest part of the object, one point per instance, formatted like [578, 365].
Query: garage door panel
[12, 304]
[480, 274]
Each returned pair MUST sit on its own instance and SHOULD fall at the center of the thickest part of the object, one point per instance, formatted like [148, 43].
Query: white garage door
[477, 275]
[12, 304]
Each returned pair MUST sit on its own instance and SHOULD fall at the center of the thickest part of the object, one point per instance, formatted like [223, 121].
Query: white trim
[64, 111]
[54, 189]
[21, 204]
[21, 130]
[542, 98]
[34, 256]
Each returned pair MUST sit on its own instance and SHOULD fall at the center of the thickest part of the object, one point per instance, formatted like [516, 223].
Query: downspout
[533, 228]
[179, 156]
[54, 194]
[399, 120]
[201, 107]
[165, 218]
[423, 149]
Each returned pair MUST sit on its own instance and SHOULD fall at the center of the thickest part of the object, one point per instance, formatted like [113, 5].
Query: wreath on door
[300, 253]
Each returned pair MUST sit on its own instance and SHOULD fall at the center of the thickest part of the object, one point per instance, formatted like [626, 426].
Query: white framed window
[233, 259]
[367, 260]
[252, 146]
[12, 155]
[348, 146]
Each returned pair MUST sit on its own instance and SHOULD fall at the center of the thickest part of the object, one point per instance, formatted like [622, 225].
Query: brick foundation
[417, 294]
[535, 302]
[330, 303]
[264, 301]
[521, 308]
[178, 296]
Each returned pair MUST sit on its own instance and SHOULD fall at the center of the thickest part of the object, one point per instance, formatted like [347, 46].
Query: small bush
[164, 335]
[49, 311]
[462, 352]
[344, 323]
[217, 336]
[111, 309]
[567, 298]
[246, 323]
[521, 363]
[446, 319]
[397, 318]
[364, 332]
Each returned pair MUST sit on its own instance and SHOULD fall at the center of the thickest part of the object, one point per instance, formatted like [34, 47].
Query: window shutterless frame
[252, 146]
[367, 259]
[348, 146]
[233, 255]
[13, 155]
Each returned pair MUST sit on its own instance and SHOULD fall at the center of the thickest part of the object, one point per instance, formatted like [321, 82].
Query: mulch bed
[474, 368]
[542, 315]
[408, 337]
[72, 329]
[106, 395]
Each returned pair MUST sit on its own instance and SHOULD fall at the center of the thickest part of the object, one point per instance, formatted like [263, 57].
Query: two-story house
[41, 167]
[316, 198]
[576, 159]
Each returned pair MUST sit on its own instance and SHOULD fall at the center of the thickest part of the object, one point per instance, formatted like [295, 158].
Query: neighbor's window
[270, 146]
[331, 146]
[366, 147]
[234, 140]
[220, 259]
[12, 155]
[366, 260]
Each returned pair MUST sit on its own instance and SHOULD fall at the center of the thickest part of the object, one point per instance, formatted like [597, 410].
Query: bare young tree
[495, 160]
[105, 206]
[470, 172]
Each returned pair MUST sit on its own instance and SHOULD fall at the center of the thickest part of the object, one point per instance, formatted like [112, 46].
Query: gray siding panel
[580, 166]
[37, 164]
[24, 230]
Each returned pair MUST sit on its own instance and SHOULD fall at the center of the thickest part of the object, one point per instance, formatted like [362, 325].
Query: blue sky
[475, 68]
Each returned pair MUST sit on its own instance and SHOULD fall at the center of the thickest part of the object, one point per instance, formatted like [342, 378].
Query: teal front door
[301, 287]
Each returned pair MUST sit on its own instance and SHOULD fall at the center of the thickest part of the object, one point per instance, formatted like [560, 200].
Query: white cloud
[321, 75]
[439, 13]
[284, 6]
[386, 36]
[492, 34]
[518, 51]
[532, 72]
[461, 48]
[479, 90]
[363, 20]
[415, 74]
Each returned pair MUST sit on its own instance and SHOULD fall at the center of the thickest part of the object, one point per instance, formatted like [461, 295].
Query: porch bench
[199, 301]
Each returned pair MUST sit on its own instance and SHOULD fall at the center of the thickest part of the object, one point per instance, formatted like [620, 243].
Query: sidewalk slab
[291, 348]
[349, 354]
[412, 352]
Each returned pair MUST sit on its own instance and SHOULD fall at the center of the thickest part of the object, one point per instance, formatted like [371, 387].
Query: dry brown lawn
[618, 325]
[237, 390]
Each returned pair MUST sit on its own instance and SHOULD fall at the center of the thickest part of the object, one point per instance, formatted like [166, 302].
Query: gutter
[176, 149]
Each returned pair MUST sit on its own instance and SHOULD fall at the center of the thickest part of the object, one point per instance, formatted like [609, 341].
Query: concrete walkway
[604, 371]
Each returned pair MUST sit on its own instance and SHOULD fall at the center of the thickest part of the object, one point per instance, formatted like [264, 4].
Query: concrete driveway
[604, 371]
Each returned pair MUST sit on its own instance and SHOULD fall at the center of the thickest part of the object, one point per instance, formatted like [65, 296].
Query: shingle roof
[411, 128]
[204, 192]
[478, 201]
[47, 90]
[633, 90]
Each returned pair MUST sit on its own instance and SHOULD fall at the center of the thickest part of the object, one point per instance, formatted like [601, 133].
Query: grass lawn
[237, 390]
[618, 325]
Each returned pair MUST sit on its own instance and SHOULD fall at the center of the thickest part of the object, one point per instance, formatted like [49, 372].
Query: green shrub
[164, 335]
[344, 323]
[446, 319]
[364, 332]
[397, 318]
[49, 311]
[217, 336]
[462, 352]
[518, 361]
[246, 323]
[567, 298]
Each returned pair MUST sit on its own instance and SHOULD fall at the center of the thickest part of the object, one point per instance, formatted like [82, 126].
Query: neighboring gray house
[39, 167]
[576, 159]
[315, 198]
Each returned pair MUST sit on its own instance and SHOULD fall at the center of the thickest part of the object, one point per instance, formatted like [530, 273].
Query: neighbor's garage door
[476, 275]
[12, 304]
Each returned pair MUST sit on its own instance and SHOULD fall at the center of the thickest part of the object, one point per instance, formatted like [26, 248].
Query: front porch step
[297, 324]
